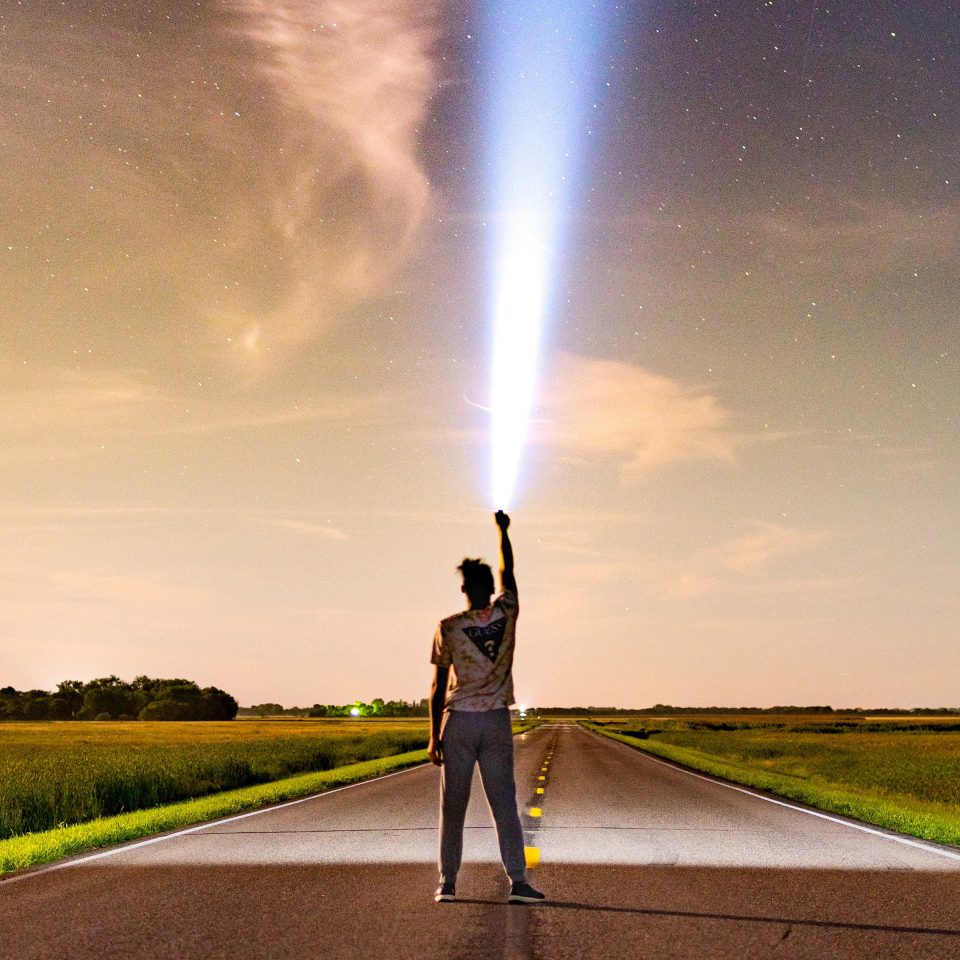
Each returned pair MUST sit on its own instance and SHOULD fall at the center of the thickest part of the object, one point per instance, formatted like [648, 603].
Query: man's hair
[477, 576]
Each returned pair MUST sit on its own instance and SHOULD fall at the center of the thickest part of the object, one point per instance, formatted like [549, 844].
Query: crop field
[903, 773]
[53, 774]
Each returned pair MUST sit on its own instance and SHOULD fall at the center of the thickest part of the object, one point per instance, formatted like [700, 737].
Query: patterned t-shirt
[477, 647]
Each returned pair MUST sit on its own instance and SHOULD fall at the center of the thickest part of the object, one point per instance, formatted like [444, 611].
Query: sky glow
[251, 257]
[542, 60]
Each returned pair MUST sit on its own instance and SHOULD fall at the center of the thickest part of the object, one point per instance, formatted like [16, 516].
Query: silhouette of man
[470, 718]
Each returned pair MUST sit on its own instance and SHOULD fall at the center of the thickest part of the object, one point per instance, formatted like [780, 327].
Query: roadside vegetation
[68, 773]
[34, 849]
[900, 773]
[66, 788]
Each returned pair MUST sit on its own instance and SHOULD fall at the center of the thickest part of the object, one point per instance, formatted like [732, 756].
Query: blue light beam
[542, 67]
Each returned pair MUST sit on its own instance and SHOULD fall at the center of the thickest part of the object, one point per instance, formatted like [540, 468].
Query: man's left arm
[438, 696]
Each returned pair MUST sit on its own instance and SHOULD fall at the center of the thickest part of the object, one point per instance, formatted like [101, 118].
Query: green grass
[87, 770]
[33, 849]
[903, 776]
[53, 774]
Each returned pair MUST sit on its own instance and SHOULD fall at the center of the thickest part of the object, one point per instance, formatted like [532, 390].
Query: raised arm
[507, 580]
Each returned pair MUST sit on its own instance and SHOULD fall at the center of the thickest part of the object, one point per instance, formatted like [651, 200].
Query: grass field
[54, 774]
[900, 773]
[98, 784]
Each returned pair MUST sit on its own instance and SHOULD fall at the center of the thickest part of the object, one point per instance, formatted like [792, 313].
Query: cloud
[353, 79]
[859, 239]
[84, 586]
[242, 178]
[56, 400]
[753, 562]
[639, 420]
[763, 546]
[911, 459]
[746, 564]
[57, 412]
[324, 532]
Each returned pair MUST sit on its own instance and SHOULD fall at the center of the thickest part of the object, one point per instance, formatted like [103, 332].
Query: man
[470, 718]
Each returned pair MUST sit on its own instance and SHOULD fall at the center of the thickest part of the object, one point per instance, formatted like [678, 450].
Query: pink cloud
[639, 420]
[352, 81]
[763, 546]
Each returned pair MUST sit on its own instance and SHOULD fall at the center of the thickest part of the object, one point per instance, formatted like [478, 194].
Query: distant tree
[216, 704]
[11, 707]
[165, 710]
[71, 691]
[35, 705]
[267, 709]
[111, 696]
[182, 691]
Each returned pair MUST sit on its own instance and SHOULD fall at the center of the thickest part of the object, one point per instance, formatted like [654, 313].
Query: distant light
[354, 711]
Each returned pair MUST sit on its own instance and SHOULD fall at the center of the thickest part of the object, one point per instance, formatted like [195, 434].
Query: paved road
[640, 859]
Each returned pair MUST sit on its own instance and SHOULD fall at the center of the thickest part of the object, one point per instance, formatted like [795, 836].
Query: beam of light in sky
[542, 60]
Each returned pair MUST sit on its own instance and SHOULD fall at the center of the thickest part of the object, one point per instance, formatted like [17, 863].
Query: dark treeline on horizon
[420, 708]
[110, 698]
[147, 698]
[662, 709]
[376, 708]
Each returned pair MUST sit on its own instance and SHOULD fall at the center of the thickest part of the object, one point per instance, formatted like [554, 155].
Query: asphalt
[639, 859]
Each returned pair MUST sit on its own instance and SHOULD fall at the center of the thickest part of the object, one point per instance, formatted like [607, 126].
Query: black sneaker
[522, 892]
[445, 893]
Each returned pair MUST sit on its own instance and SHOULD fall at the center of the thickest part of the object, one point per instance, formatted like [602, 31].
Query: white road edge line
[896, 837]
[64, 864]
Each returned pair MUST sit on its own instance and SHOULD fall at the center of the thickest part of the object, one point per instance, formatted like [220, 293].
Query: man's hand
[502, 520]
[435, 752]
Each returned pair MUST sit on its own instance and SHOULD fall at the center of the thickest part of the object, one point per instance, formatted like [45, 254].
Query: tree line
[376, 708]
[666, 710]
[110, 698]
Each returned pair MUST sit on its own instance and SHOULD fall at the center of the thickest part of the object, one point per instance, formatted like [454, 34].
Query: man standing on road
[470, 718]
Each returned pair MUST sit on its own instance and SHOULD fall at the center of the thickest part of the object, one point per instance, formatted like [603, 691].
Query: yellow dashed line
[532, 856]
[539, 789]
[536, 812]
[541, 778]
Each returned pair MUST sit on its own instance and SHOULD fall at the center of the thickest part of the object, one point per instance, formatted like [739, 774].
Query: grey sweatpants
[483, 737]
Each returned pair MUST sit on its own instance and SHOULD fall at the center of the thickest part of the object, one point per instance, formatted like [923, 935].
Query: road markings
[897, 838]
[535, 812]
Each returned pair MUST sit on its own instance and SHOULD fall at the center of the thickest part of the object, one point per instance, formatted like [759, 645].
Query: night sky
[245, 344]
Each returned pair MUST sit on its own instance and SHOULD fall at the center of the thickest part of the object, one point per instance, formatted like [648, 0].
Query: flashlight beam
[542, 64]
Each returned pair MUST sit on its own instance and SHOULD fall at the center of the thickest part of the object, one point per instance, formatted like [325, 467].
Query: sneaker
[445, 893]
[522, 892]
